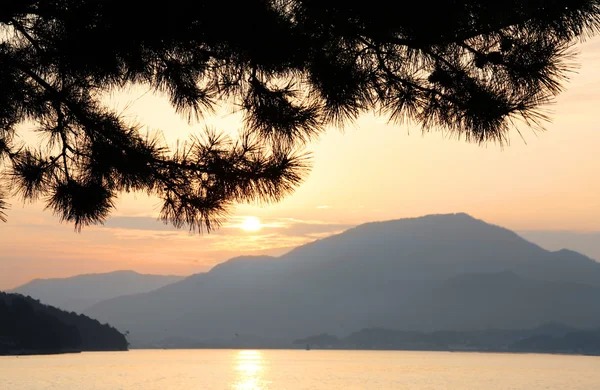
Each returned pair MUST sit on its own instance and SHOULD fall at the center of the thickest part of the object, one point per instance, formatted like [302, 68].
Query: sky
[546, 186]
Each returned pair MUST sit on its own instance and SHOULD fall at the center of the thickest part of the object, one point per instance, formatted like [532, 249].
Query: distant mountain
[78, 293]
[505, 300]
[549, 338]
[439, 272]
[29, 327]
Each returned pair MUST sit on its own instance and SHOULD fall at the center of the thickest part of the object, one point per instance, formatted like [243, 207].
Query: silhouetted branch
[3, 208]
[293, 67]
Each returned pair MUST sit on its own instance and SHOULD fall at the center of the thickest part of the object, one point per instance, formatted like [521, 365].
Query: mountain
[27, 326]
[548, 338]
[77, 293]
[438, 272]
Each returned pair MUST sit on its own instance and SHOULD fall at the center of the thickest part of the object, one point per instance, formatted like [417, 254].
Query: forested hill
[27, 326]
[546, 338]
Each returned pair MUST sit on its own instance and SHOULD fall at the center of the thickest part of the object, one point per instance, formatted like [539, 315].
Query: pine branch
[3, 208]
[473, 68]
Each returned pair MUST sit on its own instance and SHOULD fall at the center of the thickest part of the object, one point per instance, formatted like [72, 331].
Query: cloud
[274, 234]
[289, 227]
[238, 221]
[156, 239]
[145, 244]
[312, 229]
[324, 207]
[138, 223]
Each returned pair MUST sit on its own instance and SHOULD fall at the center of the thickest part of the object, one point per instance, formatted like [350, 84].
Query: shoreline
[64, 352]
[37, 352]
[376, 350]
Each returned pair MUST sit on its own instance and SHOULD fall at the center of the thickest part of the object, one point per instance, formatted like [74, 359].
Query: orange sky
[371, 172]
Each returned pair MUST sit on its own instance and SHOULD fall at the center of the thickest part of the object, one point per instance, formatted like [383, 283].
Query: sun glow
[249, 371]
[251, 224]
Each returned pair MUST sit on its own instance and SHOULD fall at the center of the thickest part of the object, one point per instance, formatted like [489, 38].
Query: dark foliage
[473, 67]
[24, 329]
[3, 206]
[28, 325]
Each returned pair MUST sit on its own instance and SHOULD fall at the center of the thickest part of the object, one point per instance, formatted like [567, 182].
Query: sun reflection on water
[249, 366]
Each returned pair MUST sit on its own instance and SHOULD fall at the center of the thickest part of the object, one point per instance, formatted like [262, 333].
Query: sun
[251, 224]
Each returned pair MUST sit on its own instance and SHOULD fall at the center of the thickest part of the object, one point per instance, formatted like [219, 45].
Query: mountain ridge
[389, 274]
[77, 293]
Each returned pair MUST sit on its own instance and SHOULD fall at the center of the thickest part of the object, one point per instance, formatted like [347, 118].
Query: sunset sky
[546, 186]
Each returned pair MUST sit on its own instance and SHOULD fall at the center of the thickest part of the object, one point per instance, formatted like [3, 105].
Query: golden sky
[550, 181]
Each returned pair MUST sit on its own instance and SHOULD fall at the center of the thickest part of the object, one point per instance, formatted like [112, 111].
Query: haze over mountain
[546, 338]
[79, 292]
[431, 273]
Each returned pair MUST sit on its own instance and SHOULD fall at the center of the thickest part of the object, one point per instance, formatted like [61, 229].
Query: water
[295, 370]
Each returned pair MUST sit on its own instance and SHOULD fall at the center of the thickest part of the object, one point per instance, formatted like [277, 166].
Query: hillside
[79, 292]
[439, 272]
[549, 338]
[27, 326]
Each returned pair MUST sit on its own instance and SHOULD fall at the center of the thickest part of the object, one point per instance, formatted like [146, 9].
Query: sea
[298, 370]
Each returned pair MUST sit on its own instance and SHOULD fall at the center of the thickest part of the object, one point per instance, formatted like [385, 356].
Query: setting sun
[251, 224]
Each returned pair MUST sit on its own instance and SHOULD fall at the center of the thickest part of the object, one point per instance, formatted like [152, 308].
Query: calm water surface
[295, 370]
